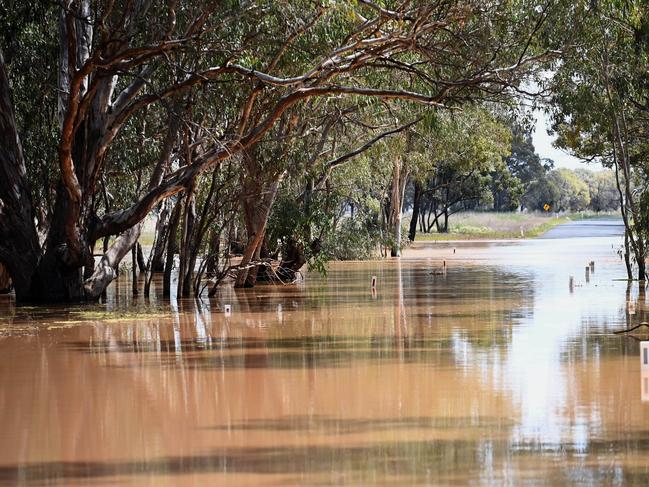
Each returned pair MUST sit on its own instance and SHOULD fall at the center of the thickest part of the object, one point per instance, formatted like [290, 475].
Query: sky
[543, 145]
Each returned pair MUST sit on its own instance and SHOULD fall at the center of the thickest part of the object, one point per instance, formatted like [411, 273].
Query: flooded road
[493, 372]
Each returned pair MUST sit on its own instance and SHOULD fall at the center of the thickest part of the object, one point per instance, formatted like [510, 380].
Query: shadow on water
[413, 462]
[337, 426]
[281, 353]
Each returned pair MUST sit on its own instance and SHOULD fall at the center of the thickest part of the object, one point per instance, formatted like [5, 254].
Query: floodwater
[492, 373]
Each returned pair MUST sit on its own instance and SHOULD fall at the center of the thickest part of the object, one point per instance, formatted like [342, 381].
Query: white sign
[644, 356]
[644, 386]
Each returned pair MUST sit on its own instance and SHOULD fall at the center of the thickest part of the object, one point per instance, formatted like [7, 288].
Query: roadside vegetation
[491, 225]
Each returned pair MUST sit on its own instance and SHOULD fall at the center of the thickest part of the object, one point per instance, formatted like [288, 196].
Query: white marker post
[644, 356]
[227, 309]
[644, 386]
[373, 282]
[644, 371]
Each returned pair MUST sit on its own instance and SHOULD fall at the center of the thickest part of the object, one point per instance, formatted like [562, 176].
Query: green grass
[494, 226]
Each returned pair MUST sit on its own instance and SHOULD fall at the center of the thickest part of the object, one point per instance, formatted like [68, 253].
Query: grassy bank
[478, 225]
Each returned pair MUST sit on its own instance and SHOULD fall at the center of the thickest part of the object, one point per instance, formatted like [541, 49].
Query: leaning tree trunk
[256, 215]
[106, 270]
[257, 201]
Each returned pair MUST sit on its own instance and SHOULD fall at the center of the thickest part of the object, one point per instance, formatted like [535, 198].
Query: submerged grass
[494, 226]
[113, 316]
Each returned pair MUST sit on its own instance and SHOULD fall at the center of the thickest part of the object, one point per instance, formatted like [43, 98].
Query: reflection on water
[490, 373]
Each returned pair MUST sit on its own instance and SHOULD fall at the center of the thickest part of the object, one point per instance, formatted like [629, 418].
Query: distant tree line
[519, 181]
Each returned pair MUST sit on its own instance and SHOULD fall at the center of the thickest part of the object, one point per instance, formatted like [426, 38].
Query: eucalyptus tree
[522, 168]
[121, 64]
[599, 106]
[313, 198]
[465, 149]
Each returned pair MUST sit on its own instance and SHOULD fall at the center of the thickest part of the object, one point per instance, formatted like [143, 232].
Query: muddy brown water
[492, 373]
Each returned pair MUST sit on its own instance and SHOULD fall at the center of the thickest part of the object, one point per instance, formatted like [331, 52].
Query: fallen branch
[629, 330]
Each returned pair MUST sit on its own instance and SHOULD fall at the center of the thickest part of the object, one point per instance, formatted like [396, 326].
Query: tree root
[629, 330]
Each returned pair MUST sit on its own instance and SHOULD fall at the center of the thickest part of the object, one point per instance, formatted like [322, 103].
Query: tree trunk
[416, 205]
[107, 268]
[134, 270]
[141, 261]
[171, 247]
[213, 253]
[257, 201]
[5, 280]
[398, 186]
[20, 250]
[642, 273]
[295, 258]
[187, 251]
[161, 231]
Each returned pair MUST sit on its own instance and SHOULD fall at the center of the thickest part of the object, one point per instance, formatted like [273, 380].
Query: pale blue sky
[543, 145]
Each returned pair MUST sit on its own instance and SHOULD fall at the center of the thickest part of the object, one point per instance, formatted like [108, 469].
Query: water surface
[493, 372]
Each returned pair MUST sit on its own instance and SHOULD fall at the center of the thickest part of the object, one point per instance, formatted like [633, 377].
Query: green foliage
[567, 190]
[29, 42]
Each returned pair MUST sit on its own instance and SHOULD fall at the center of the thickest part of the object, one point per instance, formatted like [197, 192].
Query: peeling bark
[106, 270]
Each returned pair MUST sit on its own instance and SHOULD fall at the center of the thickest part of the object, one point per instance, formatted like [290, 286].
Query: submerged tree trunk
[106, 270]
[186, 250]
[256, 202]
[642, 273]
[134, 283]
[171, 247]
[294, 258]
[20, 249]
[398, 187]
[256, 209]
